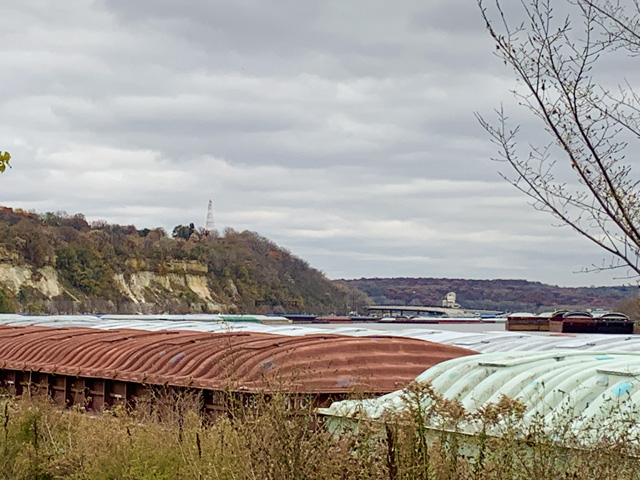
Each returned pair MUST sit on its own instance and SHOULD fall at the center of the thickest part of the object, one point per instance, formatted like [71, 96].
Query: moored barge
[528, 322]
[565, 321]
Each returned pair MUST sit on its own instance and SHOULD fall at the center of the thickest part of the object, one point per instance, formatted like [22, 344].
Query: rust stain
[247, 362]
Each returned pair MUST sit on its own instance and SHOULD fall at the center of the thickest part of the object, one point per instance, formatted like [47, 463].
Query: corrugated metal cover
[236, 361]
[485, 342]
[551, 385]
[203, 317]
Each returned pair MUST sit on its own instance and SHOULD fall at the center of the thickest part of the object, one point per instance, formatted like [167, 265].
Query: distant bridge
[395, 310]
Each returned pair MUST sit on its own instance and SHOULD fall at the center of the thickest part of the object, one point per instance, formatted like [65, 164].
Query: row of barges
[567, 321]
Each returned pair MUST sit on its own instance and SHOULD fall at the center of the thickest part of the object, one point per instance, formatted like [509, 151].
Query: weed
[168, 436]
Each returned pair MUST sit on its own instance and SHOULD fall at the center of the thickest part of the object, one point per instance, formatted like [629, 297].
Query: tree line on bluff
[245, 272]
[499, 294]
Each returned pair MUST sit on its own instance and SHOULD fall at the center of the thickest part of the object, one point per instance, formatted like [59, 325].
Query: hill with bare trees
[504, 295]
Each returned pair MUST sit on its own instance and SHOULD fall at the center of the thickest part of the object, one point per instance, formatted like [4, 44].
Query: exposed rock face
[110, 268]
[142, 287]
[198, 285]
[147, 287]
[43, 279]
[187, 266]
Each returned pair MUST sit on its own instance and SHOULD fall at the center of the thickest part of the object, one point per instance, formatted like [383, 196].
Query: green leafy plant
[4, 161]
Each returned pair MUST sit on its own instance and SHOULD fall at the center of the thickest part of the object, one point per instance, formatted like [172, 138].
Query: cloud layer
[344, 131]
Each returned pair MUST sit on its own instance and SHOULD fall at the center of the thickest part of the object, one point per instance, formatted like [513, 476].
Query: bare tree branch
[554, 63]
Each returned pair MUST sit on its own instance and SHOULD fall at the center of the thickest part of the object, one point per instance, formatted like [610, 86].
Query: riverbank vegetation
[166, 438]
[59, 263]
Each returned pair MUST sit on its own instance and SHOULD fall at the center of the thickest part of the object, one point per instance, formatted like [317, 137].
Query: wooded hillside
[59, 263]
[504, 295]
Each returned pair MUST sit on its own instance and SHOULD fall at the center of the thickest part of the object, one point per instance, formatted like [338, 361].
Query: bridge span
[409, 310]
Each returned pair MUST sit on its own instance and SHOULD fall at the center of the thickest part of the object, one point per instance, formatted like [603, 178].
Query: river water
[451, 327]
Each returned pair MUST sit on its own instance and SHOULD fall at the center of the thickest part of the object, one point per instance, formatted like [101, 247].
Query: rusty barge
[98, 369]
[565, 321]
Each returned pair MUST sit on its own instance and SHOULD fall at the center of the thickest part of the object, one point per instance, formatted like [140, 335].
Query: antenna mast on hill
[208, 226]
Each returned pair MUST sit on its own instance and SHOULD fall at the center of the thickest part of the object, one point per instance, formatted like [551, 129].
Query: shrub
[168, 437]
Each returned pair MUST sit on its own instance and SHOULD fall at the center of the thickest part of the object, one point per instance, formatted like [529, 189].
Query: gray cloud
[342, 130]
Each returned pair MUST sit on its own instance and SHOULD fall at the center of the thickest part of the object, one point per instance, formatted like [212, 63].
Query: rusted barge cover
[250, 362]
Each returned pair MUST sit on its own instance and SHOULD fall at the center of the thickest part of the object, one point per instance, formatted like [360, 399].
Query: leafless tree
[583, 175]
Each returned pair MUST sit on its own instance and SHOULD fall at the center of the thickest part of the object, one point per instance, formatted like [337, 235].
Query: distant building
[449, 301]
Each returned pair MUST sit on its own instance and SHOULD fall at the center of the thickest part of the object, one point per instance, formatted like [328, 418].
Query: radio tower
[208, 226]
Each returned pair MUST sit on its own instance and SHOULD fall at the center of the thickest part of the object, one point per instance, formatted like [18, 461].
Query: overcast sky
[342, 130]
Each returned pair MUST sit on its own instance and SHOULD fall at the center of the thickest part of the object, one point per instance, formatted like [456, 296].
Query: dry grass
[166, 437]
